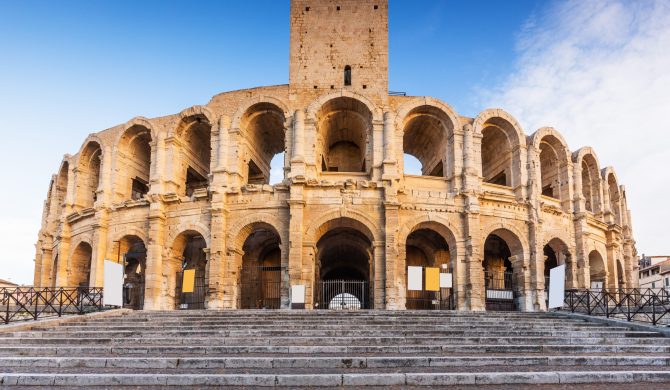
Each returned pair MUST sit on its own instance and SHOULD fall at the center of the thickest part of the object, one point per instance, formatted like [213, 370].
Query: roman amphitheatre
[495, 207]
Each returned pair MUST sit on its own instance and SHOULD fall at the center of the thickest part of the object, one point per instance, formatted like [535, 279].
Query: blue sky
[72, 68]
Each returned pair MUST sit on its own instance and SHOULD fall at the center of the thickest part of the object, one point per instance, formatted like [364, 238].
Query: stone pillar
[172, 165]
[217, 258]
[296, 267]
[377, 152]
[392, 281]
[154, 279]
[534, 269]
[99, 246]
[380, 275]
[390, 166]
[62, 277]
[474, 294]
[578, 198]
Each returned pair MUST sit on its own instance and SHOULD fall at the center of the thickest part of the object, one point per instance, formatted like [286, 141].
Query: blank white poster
[298, 293]
[112, 293]
[415, 278]
[445, 280]
[556, 286]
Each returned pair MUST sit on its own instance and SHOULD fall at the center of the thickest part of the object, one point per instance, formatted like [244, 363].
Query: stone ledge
[54, 321]
[665, 331]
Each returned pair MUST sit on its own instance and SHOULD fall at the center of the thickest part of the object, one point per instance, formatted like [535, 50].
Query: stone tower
[340, 44]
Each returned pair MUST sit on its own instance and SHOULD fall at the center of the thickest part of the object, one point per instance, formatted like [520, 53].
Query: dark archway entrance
[427, 248]
[344, 257]
[189, 254]
[260, 279]
[134, 255]
[498, 275]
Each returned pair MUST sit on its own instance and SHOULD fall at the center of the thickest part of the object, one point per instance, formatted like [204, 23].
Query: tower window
[338, 7]
[376, 6]
[347, 75]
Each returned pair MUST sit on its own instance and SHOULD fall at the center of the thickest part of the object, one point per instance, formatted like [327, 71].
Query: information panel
[415, 278]
[113, 284]
[556, 286]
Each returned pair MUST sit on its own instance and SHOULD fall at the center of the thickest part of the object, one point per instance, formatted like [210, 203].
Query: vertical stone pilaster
[393, 278]
[296, 266]
[99, 245]
[380, 275]
[390, 166]
[217, 258]
[154, 279]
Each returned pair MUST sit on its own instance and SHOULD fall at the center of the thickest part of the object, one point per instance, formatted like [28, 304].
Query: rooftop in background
[7, 283]
[649, 261]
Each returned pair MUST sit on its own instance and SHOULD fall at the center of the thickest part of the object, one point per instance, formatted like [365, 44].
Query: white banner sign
[415, 278]
[556, 286]
[445, 280]
[597, 285]
[298, 293]
[112, 293]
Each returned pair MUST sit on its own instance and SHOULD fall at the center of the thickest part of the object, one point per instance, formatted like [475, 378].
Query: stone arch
[501, 143]
[245, 106]
[591, 186]
[188, 250]
[344, 135]
[197, 227]
[621, 273]
[241, 228]
[356, 220]
[503, 248]
[417, 231]
[58, 192]
[133, 160]
[428, 127]
[80, 263]
[263, 128]
[614, 199]
[194, 134]
[133, 251]
[557, 252]
[89, 172]
[313, 108]
[259, 264]
[516, 236]
[554, 160]
[597, 269]
[138, 232]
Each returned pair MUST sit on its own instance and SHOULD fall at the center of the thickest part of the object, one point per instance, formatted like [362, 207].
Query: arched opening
[88, 175]
[427, 248]
[134, 164]
[195, 133]
[590, 184]
[61, 190]
[343, 264]
[344, 128]
[80, 265]
[347, 76]
[615, 204]
[188, 254]
[503, 282]
[556, 253]
[54, 270]
[426, 133]
[621, 277]
[553, 168]
[134, 255]
[260, 277]
[597, 271]
[263, 126]
[496, 154]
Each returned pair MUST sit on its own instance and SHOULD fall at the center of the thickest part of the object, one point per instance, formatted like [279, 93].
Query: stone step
[353, 379]
[188, 350]
[329, 333]
[335, 340]
[337, 362]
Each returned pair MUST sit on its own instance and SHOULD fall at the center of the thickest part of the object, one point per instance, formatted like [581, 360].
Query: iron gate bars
[194, 300]
[344, 295]
[499, 291]
[31, 303]
[430, 300]
[652, 306]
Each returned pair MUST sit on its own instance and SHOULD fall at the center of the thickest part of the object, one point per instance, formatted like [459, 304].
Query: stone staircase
[327, 348]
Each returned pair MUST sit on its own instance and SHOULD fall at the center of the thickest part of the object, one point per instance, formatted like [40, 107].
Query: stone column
[295, 248]
[390, 167]
[217, 258]
[474, 294]
[380, 275]
[99, 246]
[153, 290]
[62, 277]
[392, 284]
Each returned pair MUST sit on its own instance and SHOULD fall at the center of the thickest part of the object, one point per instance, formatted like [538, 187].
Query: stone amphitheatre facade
[191, 190]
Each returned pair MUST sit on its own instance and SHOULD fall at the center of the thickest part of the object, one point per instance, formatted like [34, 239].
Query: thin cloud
[598, 71]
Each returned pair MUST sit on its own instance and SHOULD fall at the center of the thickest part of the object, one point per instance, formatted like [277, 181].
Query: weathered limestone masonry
[191, 190]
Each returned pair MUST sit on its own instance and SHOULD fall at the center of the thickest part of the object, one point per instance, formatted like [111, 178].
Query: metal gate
[133, 295]
[194, 300]
[499, 291]
[430, 300]
[343, 294]
[263, 290]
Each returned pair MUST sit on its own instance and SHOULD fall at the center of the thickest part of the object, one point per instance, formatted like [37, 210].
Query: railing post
[60, 301]
[7, 309]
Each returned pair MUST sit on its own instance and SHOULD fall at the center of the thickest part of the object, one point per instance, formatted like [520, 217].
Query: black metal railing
[32, 303]
[648, 305]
